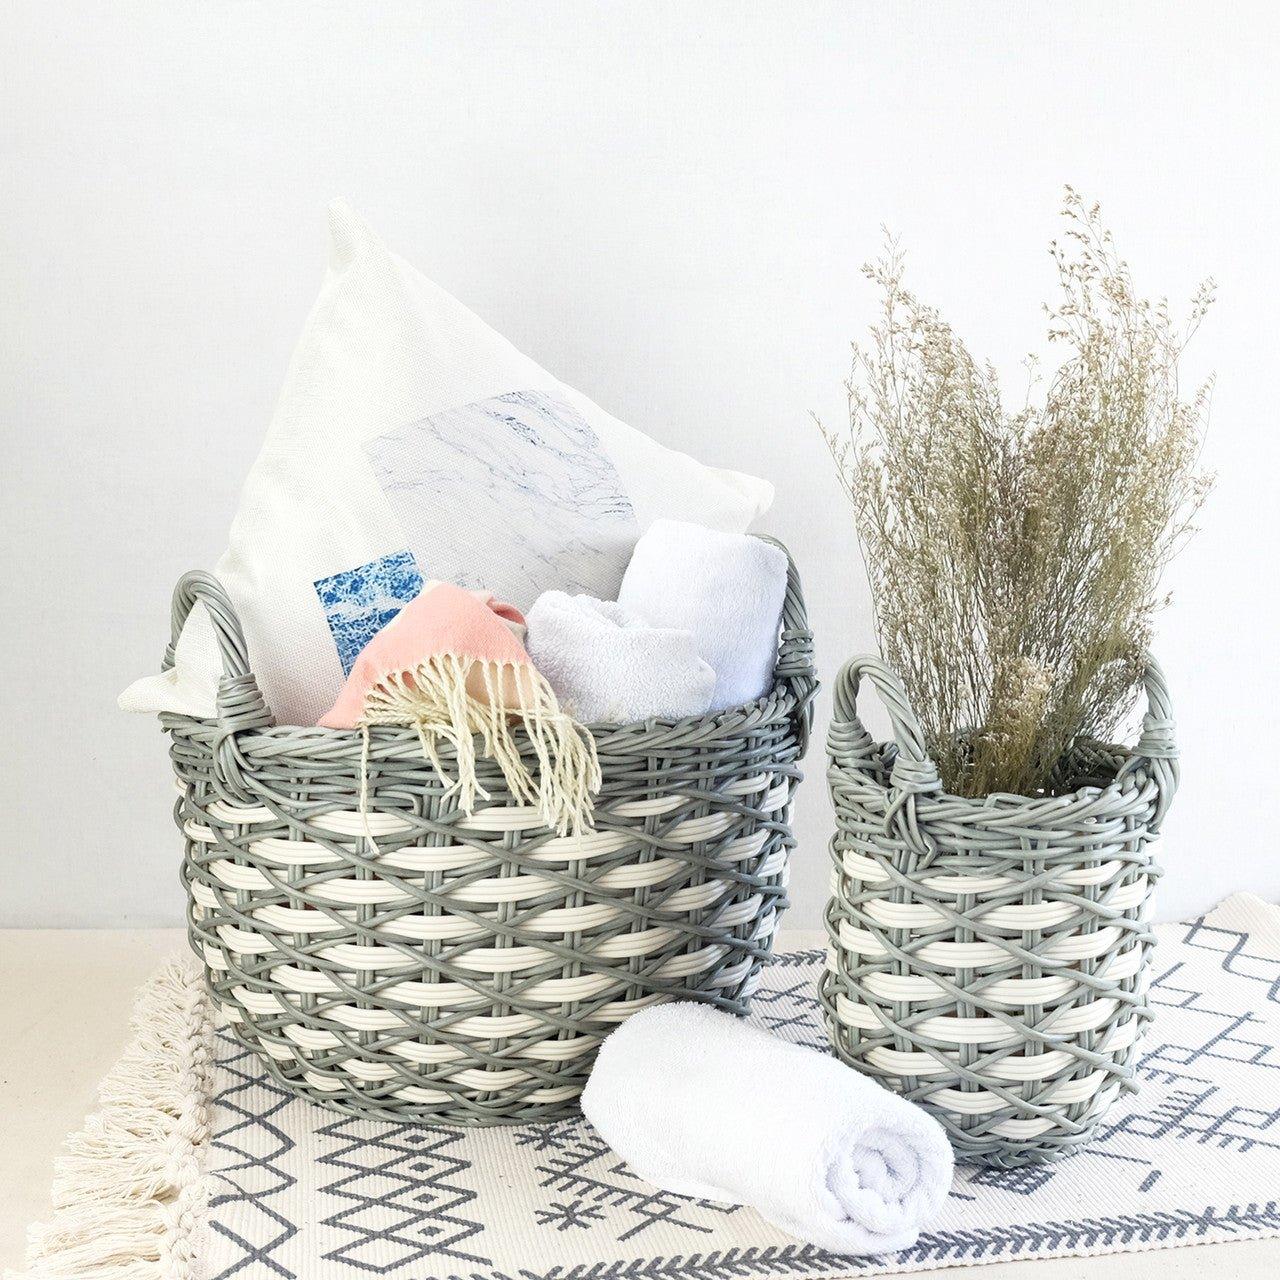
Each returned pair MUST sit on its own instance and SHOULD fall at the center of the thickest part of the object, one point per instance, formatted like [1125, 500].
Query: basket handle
[795, 649]
[906, 727]
[913, 774]
[239, 702]
[1156, 752]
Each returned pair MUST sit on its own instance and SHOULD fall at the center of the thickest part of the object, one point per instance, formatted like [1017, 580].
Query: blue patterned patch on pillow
[361, 601]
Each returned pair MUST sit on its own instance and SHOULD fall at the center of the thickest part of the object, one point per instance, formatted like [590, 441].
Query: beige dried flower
[1015, 558]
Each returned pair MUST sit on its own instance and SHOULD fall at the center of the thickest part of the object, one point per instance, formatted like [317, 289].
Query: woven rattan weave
[466, 969]
[988, 956]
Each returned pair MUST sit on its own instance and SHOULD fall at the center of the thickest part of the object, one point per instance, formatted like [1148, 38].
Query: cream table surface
[64, 1005]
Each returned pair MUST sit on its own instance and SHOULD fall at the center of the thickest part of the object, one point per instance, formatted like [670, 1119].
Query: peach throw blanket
[449, 665]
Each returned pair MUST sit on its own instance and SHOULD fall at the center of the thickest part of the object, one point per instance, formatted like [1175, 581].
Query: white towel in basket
[609, 667]
[702, 1104]
[726, 588]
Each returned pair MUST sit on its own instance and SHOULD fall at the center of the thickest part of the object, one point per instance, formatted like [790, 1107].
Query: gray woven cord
[988, 956]
[467, 969]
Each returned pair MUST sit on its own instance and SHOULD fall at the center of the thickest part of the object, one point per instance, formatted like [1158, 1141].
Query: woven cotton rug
[1193, 1157]
[292, 1190]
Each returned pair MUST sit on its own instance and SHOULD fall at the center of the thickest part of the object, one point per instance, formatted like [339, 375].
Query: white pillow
[411, 441]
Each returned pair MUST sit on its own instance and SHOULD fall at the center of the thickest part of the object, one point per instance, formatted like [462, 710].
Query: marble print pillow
[410, 442]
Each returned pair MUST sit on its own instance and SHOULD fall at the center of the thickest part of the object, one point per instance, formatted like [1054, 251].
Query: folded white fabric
[609, 667]
[701, 1104]
[726, 588]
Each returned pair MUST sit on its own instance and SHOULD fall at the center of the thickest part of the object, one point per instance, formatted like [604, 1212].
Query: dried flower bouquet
[1015, 558]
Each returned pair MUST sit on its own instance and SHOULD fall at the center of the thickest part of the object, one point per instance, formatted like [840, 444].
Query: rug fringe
[128, 1191]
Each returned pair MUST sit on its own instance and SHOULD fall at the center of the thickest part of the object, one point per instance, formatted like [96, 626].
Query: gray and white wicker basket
[467, 969]
[988, 957]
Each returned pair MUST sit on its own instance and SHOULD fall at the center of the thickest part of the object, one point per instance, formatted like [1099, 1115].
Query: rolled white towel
[609, 667]
[701, 1104]
[726, 588]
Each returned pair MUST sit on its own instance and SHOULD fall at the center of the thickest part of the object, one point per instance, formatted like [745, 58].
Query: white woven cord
[128, 1191]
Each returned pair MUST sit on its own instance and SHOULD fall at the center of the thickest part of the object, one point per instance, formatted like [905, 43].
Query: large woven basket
[988, 957]
[466, 970]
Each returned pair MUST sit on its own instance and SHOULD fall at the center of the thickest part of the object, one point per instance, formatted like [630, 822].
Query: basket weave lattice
[988, 957]
[467, 968]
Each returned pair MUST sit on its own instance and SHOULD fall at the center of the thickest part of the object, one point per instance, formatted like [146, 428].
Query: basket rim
[907, 781]
[780, 698]
[1005, 801]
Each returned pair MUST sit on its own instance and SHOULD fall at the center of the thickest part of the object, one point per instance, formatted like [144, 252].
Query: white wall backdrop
[664, 203]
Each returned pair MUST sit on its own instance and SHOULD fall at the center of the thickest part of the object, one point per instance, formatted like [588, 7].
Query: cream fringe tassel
[128, 1191]
[433, 699]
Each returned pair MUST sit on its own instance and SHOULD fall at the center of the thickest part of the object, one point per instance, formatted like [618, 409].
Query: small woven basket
[988, 957]
[466, 969]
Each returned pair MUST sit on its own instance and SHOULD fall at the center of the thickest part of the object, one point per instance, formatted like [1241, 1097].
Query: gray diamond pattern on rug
[1193, 1158]
[400, 1201]
[246, 1145]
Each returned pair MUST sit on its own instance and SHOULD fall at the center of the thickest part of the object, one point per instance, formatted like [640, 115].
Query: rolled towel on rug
[725, 588]
[608, 666]
[702, 1104]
